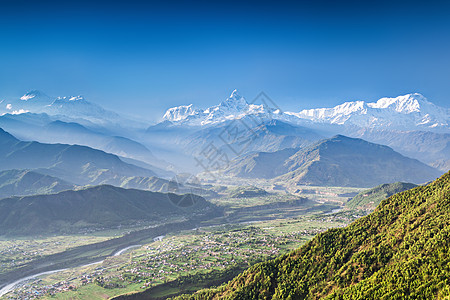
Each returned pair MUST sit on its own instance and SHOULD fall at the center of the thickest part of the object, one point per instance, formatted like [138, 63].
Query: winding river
[16, 284]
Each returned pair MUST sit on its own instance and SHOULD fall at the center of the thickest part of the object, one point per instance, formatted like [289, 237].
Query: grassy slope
[370, 199]
[400, 251]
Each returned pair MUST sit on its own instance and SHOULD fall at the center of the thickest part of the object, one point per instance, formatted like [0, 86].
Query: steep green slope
[95, 208]
[26, 182]
[400, 251]
[369, 200]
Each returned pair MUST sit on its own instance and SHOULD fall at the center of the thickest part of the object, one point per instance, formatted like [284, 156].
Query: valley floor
[252, 230]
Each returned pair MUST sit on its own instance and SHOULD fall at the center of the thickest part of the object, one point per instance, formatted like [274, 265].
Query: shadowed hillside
[95, 208]
[338, 161]
[78, 164]
[26, 182]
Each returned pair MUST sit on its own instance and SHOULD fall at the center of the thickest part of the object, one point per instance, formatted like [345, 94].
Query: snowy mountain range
[405, 112]
[408, 112]
[68, 108]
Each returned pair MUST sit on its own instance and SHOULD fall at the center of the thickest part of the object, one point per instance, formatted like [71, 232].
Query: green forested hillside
[368, 200]
[400, 251]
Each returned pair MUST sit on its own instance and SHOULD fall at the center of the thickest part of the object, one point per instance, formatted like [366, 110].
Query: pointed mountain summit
[235, 101]
[234, 107]
[34, 95]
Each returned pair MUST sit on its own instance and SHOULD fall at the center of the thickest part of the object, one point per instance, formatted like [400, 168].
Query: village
[188, 253]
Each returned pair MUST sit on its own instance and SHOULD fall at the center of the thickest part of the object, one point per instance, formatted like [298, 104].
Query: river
[16, 284]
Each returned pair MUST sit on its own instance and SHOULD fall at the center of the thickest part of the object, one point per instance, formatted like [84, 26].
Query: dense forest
[400, 251]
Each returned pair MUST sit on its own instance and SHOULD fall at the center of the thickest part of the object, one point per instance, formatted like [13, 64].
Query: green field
[252, 230]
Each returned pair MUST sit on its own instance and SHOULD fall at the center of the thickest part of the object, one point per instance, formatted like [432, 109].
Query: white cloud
[9, 106]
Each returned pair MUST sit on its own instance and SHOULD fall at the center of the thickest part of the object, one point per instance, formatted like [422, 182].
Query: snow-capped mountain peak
[67, 108]
[179, 113]
[71, 98]
[403, 104]
[232, 107]
[33, 95]
[235, 101]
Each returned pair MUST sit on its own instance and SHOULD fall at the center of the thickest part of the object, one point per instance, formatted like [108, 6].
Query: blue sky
[143, 57]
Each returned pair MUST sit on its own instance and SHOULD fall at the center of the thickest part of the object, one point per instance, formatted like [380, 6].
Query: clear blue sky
[143, 57]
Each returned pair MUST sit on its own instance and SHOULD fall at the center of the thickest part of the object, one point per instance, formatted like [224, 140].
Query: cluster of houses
[168, 258]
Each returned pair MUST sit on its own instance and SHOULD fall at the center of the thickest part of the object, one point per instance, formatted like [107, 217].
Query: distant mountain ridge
[269, 135]
[26, 182]
[67, 108]
[49, 129]
[338, 161]
[410, 124]
[76, 164]
[432, 148]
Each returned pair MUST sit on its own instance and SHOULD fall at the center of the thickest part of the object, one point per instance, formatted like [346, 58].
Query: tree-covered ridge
[96, 208]
[369, 199]
[400, 251]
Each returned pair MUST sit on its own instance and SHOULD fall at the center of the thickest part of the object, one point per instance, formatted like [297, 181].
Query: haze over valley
[224, 150]
[70, 168]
